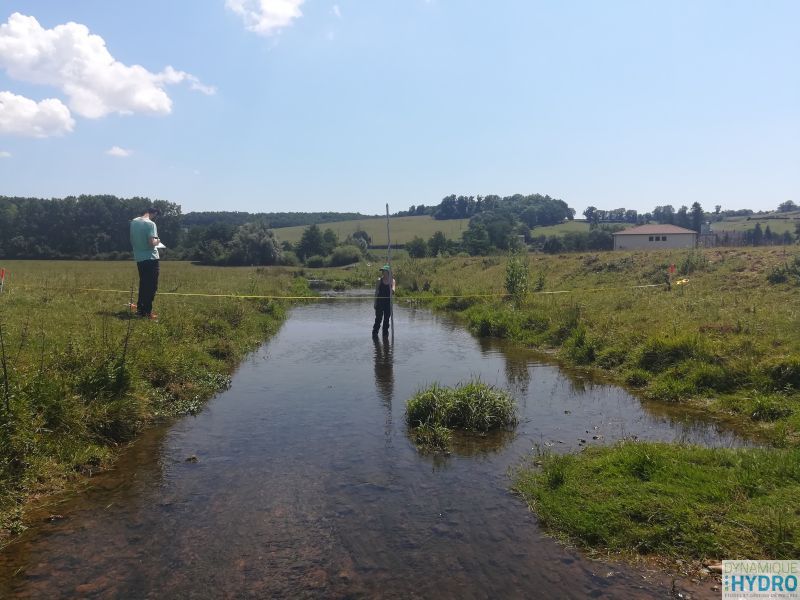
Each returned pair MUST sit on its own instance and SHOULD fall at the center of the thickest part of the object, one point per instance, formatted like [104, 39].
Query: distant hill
[274, 220]
[403, 229]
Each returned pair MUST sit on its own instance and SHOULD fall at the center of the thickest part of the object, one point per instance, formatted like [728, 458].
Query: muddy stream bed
[301, 481]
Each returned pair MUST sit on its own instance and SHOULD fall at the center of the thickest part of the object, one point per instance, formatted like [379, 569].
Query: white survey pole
[391, 274]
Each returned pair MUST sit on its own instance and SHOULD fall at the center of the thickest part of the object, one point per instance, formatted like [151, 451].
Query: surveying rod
[391, 274]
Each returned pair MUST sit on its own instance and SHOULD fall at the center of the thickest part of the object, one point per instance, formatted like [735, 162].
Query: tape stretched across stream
[302, 481]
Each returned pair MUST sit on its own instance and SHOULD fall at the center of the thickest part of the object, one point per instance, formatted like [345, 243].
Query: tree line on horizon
[96, 227]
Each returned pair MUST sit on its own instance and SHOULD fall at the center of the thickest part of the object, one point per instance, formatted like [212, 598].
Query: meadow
[786, 222]
[404, 229]
[80, 378]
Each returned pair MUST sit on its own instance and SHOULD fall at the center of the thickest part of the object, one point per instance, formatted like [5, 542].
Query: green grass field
[79, 378]
[403, 229]
[561, 229]
[742, 223]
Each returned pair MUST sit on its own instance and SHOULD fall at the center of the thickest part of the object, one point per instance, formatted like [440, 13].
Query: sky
[346, 105]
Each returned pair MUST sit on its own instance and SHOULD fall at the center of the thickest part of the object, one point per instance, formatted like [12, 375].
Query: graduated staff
[383, 302]
[144, 239]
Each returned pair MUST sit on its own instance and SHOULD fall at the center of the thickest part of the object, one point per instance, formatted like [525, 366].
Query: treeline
[77, 227]
[534, 210]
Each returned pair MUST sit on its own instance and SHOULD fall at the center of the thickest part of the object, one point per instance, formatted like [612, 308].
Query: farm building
[655, 237]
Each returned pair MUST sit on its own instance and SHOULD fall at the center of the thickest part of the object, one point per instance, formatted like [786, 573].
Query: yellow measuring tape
[429, 297]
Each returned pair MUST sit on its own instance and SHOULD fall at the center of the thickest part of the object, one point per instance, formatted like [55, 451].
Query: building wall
[643, 242]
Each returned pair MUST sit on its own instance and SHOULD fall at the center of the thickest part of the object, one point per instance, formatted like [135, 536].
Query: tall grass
[80, 378]
[433, 413]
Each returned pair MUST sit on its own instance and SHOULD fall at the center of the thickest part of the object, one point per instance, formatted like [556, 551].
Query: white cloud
[119, 152]
[337, 11]
[4, 154]
[76, 61]
[266, 16]
[22, 116]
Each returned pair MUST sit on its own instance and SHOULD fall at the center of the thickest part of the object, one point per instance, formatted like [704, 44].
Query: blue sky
[291, 105]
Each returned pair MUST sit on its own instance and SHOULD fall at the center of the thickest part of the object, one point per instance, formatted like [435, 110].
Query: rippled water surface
[305, 482]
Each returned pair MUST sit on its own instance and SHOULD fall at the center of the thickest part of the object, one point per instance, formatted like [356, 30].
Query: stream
[301, 480]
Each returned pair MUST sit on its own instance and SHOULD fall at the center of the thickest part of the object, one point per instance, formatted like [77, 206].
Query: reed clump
[435, 412]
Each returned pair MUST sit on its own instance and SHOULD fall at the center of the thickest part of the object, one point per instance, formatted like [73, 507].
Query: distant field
[561, 229]
[403, 229]
[742, 224]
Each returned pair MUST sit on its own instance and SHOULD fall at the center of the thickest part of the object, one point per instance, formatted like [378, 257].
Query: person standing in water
[383, 303]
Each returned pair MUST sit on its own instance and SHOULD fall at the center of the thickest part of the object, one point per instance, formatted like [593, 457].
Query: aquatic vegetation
[674, 500]
[433, 413]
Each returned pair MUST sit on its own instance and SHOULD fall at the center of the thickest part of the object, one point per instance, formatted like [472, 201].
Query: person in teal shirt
[144, 239]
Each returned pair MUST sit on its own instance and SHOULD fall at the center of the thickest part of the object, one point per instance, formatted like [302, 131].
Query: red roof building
[655, 237]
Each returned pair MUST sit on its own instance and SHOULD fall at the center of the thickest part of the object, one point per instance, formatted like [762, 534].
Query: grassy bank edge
[173, 382]
[675, 502]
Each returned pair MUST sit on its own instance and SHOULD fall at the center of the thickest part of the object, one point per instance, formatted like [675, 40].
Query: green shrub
[345, 255]
[315, 262]
[517, 277]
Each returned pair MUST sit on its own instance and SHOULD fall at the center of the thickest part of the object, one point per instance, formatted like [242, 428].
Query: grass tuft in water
[435, 412]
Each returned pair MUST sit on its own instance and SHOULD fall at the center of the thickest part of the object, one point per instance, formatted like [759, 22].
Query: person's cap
[386, 268]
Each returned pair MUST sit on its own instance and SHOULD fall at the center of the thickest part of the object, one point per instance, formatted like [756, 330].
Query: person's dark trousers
[148, 285]
[382, 312]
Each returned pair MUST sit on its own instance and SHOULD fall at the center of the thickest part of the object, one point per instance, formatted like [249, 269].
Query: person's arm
[153, 238]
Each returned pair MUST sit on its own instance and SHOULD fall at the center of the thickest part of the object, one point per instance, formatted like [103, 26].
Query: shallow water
[306, 483]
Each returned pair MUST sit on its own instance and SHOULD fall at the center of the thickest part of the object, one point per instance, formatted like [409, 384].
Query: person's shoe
[153, 317]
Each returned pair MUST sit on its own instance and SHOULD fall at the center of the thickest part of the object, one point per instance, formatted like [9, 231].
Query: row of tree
[76, 227]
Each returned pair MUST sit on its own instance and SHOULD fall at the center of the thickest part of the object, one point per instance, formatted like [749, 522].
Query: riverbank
[724, 341]
[80, 378]
[685, 503]
[720, 339]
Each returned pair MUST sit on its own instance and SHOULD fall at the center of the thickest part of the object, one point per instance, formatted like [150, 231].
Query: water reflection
[384, 372]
